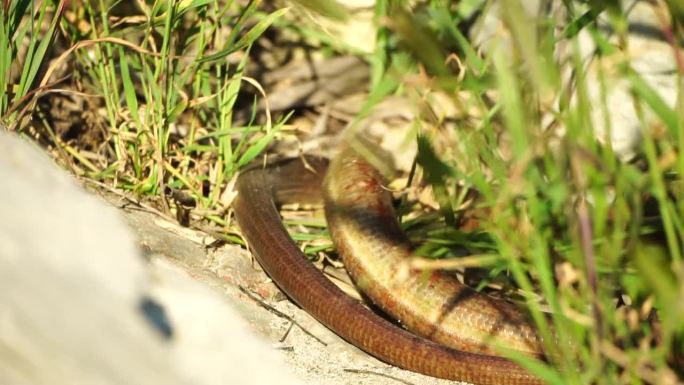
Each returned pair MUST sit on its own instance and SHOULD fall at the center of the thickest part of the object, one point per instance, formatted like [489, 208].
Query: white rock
[212, 344]
[70, 282]
[71, 288]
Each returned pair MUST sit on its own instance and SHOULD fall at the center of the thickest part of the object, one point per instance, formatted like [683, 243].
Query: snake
[445, 329]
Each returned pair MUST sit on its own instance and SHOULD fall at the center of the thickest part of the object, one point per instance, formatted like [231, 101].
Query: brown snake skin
[362, 222]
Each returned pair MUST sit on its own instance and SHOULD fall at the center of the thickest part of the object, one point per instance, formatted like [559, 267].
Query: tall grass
[160, 82]
[592, 239]
[26, 31]
[182, 67]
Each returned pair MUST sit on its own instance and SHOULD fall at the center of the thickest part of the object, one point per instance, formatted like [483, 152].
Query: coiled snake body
[367, 236]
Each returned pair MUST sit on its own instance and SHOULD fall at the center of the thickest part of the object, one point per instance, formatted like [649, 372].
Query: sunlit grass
[167, 77]
[565, 217]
